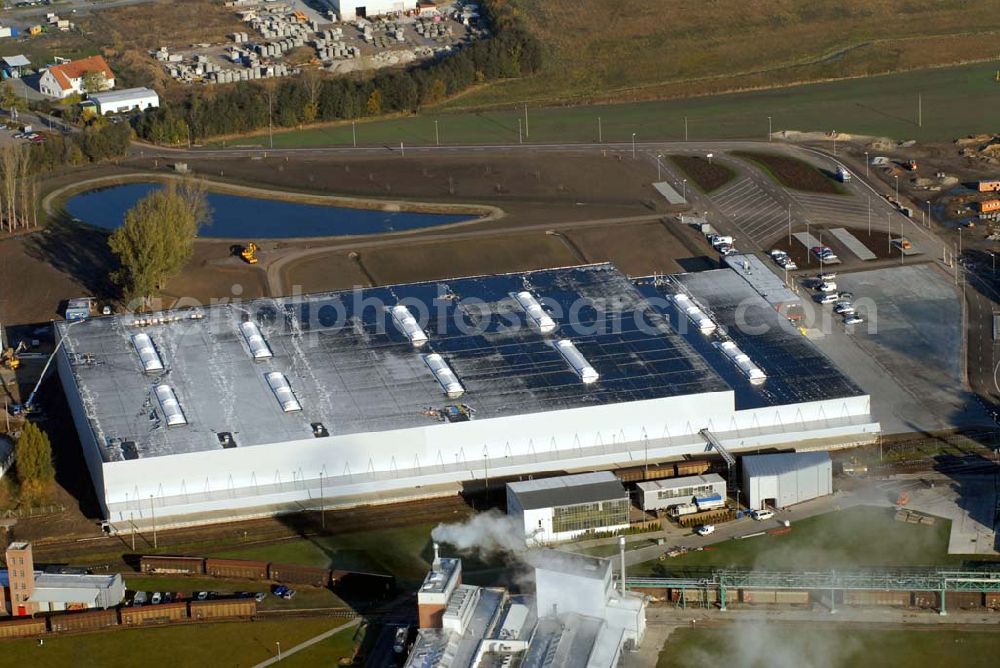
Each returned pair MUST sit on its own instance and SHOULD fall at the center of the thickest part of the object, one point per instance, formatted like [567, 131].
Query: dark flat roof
[568, 490]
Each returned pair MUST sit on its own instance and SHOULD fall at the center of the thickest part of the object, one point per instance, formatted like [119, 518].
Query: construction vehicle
[10, 357]
[902, 243]
[903, 498]
[249, 253]
[910, 165]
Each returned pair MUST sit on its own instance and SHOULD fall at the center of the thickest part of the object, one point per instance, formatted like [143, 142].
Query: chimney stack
[621, 546]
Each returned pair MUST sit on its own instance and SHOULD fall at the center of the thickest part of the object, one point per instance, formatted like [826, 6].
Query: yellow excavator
[10, 358]
[249, 253]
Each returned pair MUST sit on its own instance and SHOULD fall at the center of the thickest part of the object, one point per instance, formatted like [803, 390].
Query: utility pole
[402, 151]
[132, 524]
[920, 110]
[437, 136]
[633, 146]
[869, 215]
[789, 227]
[527, 132]
[866, 164]
[769, 128]
[270, 125]
[685, 128]
[354, 133]
[520, 139]
[152, 510]
[600, 132]
[322, 503]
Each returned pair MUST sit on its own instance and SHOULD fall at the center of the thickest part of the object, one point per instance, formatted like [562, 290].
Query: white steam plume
[486, 533]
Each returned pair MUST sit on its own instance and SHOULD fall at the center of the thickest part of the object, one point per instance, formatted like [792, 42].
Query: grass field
[793, 173]
[956, 101]
[759, 646]
[708, 176]
[646, 49]
[402, 552]
[857, 537]
[226, 644]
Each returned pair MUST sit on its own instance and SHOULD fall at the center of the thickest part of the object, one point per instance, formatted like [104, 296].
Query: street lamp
[866, 164]
[769, 128]
[897, 188]
[633, 146]
[684, 189]
[658, 158]
[278, 643]
[709, 156]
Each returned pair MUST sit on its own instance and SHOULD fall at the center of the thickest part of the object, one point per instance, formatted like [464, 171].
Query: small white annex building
[55, 592]
[561, 508]
[127, 99]
[669, 492]
[349, 10]
[787, 478]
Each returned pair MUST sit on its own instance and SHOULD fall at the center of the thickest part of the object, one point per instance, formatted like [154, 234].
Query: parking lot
[909, 353]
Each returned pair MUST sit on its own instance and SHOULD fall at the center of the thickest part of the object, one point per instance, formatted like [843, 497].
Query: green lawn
[956, 101]
[857, 537]
[229, 644]
[759, 646]
[404, 552]
[326, 652]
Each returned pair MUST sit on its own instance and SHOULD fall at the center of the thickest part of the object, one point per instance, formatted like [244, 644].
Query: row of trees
[33, 461]
[244, 107]
[18, 189]
[157, 238]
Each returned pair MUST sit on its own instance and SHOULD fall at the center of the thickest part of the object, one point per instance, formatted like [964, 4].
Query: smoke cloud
[762, 645]
[486, 534]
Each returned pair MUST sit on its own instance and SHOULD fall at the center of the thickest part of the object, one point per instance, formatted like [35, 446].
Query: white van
[763, 514]
[827, 286]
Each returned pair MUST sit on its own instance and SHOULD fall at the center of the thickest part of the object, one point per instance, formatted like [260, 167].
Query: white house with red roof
[61, 81]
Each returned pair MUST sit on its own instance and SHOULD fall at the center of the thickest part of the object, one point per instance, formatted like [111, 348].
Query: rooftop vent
[694, 314]
[226, 440]
[129, 450]
[148, 357]
[319, 431]
[407, 325]
[576, 360]
[536, 314]
[742, 361]
[170, 406]
[445, 376]
[283, 392]
[255, 340]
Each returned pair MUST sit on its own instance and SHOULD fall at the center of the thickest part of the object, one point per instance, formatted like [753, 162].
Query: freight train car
[692, 467]
[295, 574]
[993, 600]
[168, 564]
[641, 473]
[877, 598]
[83, 621]
[236, 568]
[22, 628]
[224, 609]
[146, 615]
[964, 600]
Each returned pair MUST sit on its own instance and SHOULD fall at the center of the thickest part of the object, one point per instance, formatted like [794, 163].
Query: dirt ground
[877, 243]
[708, 176]
[794, 173]
[542, 187]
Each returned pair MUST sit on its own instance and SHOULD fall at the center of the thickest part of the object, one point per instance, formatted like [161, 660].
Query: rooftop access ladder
[727, 456]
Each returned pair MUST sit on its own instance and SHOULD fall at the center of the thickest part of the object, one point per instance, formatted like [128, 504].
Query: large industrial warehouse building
[394, 392]
[786, 478]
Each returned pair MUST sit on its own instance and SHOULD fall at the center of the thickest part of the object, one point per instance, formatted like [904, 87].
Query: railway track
[249, 533]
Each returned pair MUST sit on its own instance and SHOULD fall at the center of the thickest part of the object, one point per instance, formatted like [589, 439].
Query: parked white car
[705, 529]
[763, 514]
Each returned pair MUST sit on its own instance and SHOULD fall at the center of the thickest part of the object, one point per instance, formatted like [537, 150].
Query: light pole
[520, 136]
[897, 188]
[270, 125]
[684, 189]
[789, 227]
[709, 156]
[354, 133]
[769, 128]
[866, 164]
[658, 157]
[527, 132]
[322, 503]
[600, 131]
[633, 146]
[278, 643]
[834, 134]
[437, 136]
[152, 511]
[685, 128]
